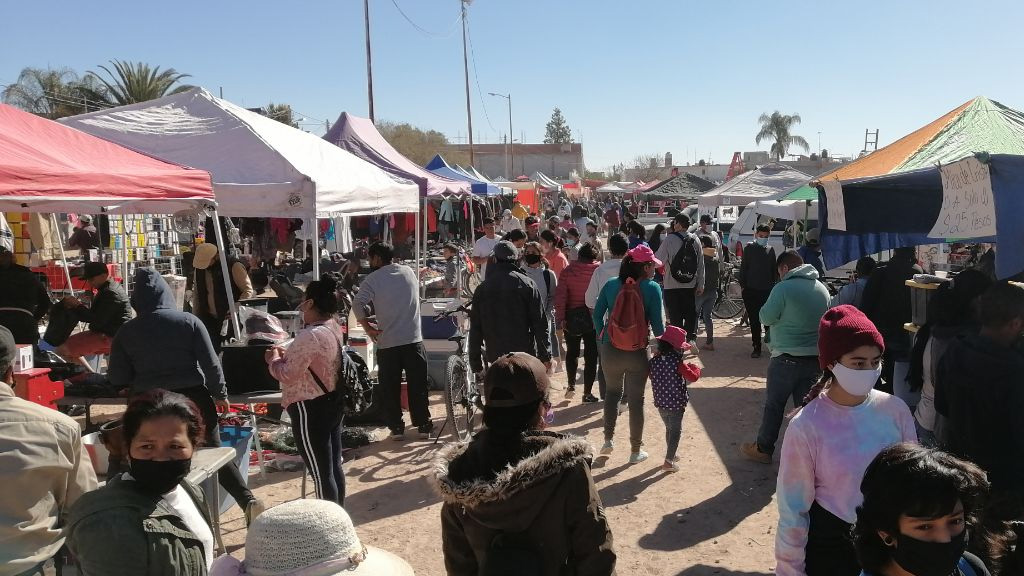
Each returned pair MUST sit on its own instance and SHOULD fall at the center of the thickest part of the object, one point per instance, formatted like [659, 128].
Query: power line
[476, 78]
[448, 34]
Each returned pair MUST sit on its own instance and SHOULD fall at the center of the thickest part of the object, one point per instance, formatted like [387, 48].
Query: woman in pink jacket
[573, 319]
[308, 372]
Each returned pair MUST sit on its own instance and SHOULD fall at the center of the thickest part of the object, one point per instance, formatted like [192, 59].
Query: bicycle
[463, 395]
[730, 296]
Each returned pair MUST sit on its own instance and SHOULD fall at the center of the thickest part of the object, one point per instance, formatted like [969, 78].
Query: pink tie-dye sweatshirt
[825, 452]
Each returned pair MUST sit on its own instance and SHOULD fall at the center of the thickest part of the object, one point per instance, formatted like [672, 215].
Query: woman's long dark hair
[924, 483]
[630, 269]
[654, 240]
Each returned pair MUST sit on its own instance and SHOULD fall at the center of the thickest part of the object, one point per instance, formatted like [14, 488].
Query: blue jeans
[673, 420]
[705, 304]
[788, 377]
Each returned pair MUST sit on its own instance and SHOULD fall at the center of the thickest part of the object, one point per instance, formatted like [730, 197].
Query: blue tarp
[440, 167]
[895, 210]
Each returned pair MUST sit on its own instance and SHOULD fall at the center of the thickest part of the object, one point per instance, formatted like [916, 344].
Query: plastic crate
[240, 438]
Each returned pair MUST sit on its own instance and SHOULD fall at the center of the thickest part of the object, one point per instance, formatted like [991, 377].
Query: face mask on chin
[856, 382]
[922, 558]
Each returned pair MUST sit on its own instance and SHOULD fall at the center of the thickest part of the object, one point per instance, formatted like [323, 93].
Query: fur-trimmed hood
[513, 498]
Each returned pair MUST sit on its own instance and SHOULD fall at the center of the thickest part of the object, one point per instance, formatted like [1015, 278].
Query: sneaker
[398, 434]
[693, 346]
[637, 457]
[253, 509]
[589, 398]
[756, 353]
[670, 466]
[752, 452]
[425, 430]
[570, 390]
[608, 447]
[709, 347]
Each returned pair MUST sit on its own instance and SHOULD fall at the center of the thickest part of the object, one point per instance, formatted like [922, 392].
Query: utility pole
[510, 166]
[369, 62]
[465, 66]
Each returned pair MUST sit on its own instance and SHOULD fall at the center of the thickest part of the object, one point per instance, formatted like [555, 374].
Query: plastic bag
[261, 327]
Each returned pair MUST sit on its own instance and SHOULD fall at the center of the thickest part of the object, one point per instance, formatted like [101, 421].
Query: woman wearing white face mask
[843, 425]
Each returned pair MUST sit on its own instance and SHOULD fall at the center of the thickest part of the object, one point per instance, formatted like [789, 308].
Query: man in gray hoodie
[163, 347]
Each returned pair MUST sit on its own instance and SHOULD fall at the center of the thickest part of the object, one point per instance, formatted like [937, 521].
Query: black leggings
[229, 476]
[317, 428]
[572, 356]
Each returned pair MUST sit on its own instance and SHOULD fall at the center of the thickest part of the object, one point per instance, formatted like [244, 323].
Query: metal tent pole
[418, 233]
[63, 257]
[222, 253]
[315, 239]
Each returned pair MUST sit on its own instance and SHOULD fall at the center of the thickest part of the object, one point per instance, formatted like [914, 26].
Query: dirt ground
[716, 516]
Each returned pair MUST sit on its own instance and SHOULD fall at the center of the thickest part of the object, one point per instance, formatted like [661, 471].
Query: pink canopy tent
[49, 167]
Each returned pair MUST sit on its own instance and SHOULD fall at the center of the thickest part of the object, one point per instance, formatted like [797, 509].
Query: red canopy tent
[49, 167]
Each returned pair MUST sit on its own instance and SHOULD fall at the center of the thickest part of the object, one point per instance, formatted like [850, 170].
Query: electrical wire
[476, 78]
[448, 34]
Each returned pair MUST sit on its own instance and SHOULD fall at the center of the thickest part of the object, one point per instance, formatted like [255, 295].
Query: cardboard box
[23, 360]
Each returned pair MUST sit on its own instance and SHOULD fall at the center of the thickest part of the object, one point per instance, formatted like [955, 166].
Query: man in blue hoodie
[163, 347]
[793, 311]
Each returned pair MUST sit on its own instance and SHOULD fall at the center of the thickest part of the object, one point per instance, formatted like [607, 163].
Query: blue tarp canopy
[895, 210]
[440, 167]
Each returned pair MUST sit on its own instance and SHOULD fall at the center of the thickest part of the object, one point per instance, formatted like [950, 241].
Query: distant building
[812, 165]
[558, 161]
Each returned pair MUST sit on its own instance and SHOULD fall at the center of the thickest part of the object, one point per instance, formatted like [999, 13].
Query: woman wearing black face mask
[919, 514]
[150, 520]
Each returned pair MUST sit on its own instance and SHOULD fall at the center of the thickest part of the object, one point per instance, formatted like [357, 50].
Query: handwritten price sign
[836, 205]
[968, 209]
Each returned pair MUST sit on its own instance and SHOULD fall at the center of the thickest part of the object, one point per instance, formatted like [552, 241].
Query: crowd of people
[868, 482]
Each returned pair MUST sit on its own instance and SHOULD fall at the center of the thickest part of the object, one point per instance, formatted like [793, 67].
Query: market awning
[769, 182]
[49, 167]
[259, 166]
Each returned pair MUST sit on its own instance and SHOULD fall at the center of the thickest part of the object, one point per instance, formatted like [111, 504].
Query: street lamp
[512, 152]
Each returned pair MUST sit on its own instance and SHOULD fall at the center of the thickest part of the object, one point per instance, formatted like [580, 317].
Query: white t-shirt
[186, 508]
[483, 247]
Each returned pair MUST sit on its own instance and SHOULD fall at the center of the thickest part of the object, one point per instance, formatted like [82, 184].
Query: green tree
[557, 130]
[282, 113]
[776, 127]
[132, 82]
[419, 145]
[52, 93]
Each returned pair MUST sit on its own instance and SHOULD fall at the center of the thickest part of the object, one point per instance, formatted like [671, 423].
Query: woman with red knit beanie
[843, 425]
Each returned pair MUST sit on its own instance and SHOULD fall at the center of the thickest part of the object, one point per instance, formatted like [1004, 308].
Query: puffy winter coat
[542, 491]
[572, 288]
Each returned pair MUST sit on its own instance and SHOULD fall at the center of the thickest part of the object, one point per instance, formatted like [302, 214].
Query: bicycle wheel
[457, 400]
[727, 308]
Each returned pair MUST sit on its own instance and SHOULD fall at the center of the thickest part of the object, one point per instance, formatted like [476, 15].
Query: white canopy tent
[611, 187]
[260, 167]
[787, 209]
[769, 182]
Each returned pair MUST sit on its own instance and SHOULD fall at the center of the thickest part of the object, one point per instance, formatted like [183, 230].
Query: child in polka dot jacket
[669, 378]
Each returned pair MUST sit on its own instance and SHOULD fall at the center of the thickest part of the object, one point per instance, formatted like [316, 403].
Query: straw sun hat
[308, 538]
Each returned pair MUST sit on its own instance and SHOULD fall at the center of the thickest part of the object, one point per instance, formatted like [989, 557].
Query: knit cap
[842, 329]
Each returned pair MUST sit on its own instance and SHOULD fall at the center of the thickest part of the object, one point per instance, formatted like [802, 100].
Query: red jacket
[572, 288]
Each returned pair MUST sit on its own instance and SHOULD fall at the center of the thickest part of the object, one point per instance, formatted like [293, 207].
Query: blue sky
[631, 77]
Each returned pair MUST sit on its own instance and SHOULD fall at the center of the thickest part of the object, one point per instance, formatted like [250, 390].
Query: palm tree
[776, 127]
[51, 93]
[132, 82]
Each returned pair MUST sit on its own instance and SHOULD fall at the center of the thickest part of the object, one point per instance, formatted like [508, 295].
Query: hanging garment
[446, 213]
[44, 236]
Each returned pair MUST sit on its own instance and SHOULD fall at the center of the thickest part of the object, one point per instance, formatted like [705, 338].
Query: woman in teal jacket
[627, 369]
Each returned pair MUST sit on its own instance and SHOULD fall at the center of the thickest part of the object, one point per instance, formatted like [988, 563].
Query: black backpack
[684, 264]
